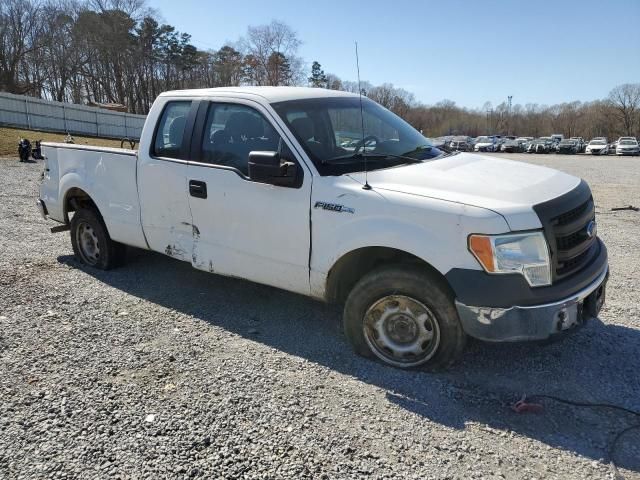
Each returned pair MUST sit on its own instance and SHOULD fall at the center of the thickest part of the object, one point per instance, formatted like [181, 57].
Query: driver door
[244, 228]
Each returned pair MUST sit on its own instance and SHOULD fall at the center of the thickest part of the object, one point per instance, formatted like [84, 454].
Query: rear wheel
[404, 317]
[91, 242]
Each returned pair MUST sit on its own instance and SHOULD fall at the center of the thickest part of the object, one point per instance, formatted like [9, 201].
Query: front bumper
[534, 322]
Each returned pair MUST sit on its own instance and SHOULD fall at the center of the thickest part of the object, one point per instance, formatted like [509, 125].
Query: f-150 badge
[334, 207]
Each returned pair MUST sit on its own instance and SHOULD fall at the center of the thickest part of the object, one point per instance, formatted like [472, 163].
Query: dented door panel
[166, 218]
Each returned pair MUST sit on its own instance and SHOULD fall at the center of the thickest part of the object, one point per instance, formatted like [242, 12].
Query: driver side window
[231, 131]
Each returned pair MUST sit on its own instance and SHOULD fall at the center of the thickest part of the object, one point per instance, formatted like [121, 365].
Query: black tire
[425, 289]
[107, 253]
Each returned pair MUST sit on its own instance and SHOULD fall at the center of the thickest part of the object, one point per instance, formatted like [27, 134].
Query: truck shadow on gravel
[599, 363]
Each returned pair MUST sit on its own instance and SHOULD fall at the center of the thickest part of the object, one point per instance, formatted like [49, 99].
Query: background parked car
[513, 146]
[598, 146]
[442, 143]
[541, 145]
[627, 146]
[485, 144]
[556, 139]
[612, 148]
[460, 144]
[568, 147]
[582, 145]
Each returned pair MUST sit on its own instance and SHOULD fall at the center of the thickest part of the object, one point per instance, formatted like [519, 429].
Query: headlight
[524, 253]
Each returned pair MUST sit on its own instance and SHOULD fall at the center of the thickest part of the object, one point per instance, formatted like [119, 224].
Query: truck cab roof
[270, 94]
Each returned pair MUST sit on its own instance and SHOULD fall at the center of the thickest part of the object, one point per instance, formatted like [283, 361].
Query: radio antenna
[366, 170]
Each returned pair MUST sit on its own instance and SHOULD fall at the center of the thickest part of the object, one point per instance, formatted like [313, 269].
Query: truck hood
[510, 188]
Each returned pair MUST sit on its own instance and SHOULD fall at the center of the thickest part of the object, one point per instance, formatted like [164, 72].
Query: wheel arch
[353, 265]
[76, 198]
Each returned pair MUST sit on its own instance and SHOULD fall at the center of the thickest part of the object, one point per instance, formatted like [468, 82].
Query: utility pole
[509, 114]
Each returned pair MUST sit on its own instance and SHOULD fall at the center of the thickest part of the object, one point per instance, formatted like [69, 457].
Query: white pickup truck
[310, 191]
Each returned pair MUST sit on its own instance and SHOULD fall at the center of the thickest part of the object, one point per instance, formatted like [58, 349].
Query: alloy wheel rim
[401, 331]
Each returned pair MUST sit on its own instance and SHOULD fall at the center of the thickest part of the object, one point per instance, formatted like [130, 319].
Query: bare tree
[398, 100]
[626, 103]
[136, 9]
[333, 82]
[19, 37]
[271, 48]
[228, 63]
[102, 51]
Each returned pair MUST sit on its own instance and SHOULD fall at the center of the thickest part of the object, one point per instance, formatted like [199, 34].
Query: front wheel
[91, 242]
[404, 317]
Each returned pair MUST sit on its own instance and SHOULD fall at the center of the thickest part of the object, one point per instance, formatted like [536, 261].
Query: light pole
[509, 114]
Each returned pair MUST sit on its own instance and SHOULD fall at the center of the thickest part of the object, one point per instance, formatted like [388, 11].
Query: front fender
[431, 229]
[433, 246]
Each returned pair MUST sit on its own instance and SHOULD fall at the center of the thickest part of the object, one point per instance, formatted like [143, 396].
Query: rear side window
[170, 131]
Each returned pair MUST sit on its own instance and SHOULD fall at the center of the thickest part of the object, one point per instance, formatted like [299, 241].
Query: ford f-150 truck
[312, 191]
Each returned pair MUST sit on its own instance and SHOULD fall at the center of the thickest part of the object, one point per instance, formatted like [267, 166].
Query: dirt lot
[155, 370]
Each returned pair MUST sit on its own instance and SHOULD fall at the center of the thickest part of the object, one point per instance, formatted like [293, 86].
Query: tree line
[611, 117]
[117, 51]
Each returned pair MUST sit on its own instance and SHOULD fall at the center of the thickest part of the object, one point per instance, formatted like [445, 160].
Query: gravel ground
[156, 370]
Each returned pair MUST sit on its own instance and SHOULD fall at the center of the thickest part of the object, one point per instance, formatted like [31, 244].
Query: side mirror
[268, 167]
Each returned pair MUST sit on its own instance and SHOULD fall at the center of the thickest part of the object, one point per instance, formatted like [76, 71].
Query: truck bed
[107, 175]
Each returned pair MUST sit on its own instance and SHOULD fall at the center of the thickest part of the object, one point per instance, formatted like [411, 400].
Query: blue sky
[466, 51]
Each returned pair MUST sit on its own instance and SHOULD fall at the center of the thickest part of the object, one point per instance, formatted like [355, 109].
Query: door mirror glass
[269, 167]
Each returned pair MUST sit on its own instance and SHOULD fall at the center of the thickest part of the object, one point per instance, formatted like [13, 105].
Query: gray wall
[35, 114]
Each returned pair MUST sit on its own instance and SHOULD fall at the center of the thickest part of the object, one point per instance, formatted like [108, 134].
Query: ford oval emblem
[592, 229]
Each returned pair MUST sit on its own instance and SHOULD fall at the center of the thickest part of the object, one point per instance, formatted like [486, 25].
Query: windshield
[627, 142]
[567, 142]
[597, 142]
[330, 131]
[484, 140]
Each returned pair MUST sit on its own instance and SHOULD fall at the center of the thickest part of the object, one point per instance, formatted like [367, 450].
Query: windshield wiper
[420, 148]
[372, 156]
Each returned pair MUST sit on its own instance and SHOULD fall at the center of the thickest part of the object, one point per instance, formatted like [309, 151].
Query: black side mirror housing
[268, 167]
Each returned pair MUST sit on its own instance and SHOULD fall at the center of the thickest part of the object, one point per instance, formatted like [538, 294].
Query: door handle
[197, 189]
